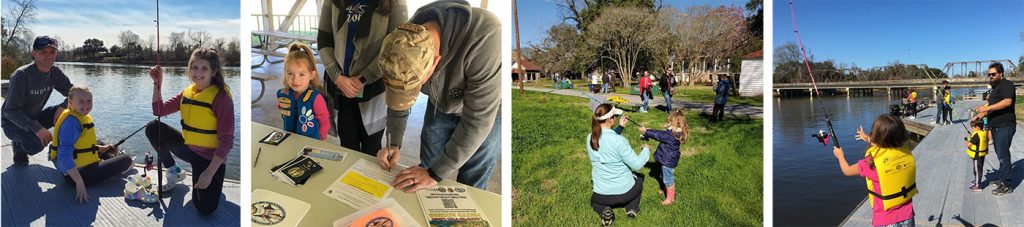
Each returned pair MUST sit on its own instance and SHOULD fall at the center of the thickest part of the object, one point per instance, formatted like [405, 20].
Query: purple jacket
[668, 151]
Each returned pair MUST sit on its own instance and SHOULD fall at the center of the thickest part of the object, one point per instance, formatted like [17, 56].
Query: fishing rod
[129, 136]
[807, 63]
[159, 165]
[599, 101]
[929, 74]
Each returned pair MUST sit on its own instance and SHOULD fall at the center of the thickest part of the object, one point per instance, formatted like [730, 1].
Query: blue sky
[875, 33]
[75, 21]
[536, 16]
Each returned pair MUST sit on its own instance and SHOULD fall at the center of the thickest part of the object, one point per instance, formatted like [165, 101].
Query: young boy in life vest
[74, 151]
[977, 148]
[888, 170]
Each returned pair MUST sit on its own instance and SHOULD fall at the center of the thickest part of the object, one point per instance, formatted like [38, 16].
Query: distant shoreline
[172, 63]
[144, 64]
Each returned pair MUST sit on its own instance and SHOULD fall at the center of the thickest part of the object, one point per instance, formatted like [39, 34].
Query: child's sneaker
[631, 214]
[607, 216]
[975, 188]
[174, 175]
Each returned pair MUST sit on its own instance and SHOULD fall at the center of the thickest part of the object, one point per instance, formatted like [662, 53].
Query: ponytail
[595, 125]
[302, 52]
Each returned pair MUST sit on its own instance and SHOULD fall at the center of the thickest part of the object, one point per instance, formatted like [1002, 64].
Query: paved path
[736, 110]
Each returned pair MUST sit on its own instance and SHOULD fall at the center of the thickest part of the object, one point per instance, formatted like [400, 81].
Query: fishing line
[929, 74]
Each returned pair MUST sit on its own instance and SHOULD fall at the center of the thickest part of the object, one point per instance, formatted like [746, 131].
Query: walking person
[666, 86]
[645, 90]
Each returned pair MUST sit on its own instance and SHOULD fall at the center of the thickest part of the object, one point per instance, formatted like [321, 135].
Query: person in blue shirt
[74, 151]
[613, 161]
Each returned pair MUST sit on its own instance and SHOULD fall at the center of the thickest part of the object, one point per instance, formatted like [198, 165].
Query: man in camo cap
[451, 52]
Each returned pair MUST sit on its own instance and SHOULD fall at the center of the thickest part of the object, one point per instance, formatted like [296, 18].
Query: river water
[122, 103]
[809, 188]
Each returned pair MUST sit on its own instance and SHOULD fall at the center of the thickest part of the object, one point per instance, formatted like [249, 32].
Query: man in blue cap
[25, 122]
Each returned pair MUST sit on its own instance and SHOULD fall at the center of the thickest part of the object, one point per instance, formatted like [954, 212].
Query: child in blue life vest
[977, 148]
[302, 106]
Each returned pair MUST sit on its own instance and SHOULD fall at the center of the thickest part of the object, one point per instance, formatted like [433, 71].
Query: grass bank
[718, 180]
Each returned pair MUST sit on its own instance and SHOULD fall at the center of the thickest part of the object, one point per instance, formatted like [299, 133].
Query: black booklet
[296, 171]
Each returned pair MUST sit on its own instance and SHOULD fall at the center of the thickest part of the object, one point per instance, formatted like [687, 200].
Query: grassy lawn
[701, 94]
[1019, 108]
[718, 180]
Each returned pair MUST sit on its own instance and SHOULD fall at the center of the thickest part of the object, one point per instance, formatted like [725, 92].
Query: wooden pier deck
[36, 195]
[943, 176]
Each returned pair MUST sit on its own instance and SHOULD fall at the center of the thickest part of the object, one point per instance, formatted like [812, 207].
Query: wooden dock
[37, 195]
[944, 173]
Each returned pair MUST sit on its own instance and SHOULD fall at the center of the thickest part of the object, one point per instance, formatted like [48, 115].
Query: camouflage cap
[405, 56]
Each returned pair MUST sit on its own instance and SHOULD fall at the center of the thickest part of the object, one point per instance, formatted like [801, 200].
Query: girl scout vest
[980, 149]
[298, 112]
[198, 123]
[85, 147]
[896, 176]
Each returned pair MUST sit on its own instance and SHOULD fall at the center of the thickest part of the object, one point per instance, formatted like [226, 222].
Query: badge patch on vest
[456, 93]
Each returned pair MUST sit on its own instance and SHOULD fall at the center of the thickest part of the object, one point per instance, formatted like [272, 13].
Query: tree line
[790, 68]
[631, 36]
[129, 48]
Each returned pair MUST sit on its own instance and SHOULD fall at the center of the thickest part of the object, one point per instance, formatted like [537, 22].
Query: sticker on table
[362, 185]
[275, 137]
[273, 209]
[323, 153]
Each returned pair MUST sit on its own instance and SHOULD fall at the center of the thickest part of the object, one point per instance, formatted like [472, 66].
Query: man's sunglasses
[991, 75]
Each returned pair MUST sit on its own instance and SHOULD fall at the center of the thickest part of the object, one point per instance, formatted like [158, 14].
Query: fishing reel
[822, 137]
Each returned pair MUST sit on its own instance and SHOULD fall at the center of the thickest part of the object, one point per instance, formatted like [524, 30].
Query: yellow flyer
[362, 185]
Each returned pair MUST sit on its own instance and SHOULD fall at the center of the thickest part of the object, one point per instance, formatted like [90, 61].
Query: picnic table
[325, 210]
[267, 46]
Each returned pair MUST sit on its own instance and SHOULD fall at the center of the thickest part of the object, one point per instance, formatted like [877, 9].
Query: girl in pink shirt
[302, 106]
[889, 152]
[207, 123]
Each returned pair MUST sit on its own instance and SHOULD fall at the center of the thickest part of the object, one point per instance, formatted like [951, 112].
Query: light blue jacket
[613, 164]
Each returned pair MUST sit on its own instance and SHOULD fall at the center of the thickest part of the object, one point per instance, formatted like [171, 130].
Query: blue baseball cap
[43, 42]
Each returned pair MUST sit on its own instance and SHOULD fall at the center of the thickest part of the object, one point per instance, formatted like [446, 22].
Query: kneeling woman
[612, 163]
[207, 122]
[74, 151]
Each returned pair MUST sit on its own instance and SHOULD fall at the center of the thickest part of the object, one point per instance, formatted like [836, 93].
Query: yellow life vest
[198, 123]
[947, 99]
[896, 174]
[85, 147]
[980, 149]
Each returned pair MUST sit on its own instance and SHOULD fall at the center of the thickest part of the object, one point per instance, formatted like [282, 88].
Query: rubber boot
[670, 195]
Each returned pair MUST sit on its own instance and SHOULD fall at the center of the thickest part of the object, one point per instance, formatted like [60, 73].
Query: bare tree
[625, 34]
[710, 35]
[20, 15]
[131, 43]
[198, 38]
[558, 51]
